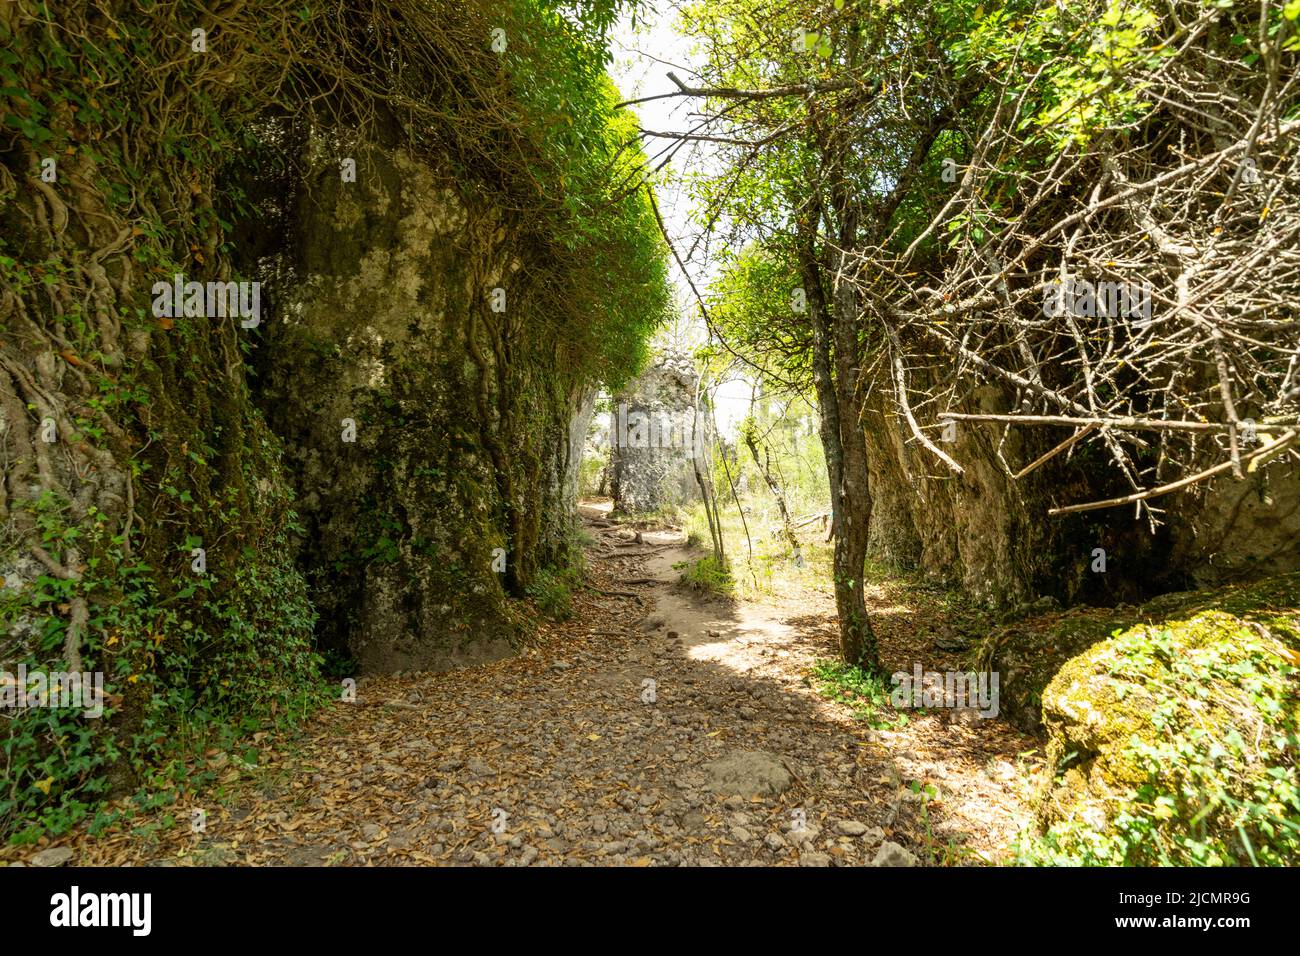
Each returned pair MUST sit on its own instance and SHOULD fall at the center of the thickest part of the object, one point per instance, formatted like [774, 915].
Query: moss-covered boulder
[1027, 655]
[1175, 741]
[1029, 652]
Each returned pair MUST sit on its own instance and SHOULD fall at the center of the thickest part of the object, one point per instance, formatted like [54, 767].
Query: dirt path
[626, 736]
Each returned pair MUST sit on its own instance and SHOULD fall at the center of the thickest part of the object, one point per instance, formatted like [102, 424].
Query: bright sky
[642, 60]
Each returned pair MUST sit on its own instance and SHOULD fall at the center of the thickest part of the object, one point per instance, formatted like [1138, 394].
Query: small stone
[805, 834]
[851, 827]
[891, 854]
[814, 859]
[55, 856]
[370, 832]
[748, 773]
[775, 842]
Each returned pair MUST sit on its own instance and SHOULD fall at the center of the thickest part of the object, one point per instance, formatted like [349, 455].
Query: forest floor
[657, 726]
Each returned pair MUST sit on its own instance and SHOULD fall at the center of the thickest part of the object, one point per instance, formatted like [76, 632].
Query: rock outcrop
[991, 534]
[433, 476]
[657, 431]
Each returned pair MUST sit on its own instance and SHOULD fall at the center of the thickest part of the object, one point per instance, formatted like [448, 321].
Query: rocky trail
[657, 726]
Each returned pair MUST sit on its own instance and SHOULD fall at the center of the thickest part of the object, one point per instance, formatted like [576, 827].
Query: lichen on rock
[1175, 741]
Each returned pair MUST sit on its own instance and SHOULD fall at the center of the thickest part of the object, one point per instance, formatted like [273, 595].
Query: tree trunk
[764, 464]
[839, 415]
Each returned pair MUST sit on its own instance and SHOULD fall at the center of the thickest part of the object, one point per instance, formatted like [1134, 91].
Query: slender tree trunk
[836, 370]
[706, 486]
[764, 463]
[604, 476]
[857, 641]
[839, 414]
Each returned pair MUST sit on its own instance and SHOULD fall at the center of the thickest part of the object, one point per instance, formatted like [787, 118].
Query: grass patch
[865, 692]
[707, 574]
[552, 591]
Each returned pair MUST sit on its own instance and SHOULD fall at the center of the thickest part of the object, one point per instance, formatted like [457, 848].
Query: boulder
[891, 854]
[747, 773]
[1173, 742]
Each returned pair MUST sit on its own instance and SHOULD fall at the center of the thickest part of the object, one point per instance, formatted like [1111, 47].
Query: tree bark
[839, 413]
[764, 464]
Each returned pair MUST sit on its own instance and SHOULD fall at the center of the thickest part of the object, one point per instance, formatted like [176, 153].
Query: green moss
[1029, 653]
[1174, 742]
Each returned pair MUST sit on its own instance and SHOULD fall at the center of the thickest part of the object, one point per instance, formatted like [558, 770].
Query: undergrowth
[867, 693]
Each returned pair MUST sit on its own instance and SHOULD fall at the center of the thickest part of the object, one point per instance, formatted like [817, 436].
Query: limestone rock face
[992, 536]
[1232, 528]
[655, 432]
[434, 474]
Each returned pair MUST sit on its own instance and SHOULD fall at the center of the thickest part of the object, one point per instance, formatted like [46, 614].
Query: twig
[1068, 443]
[1138, 424]
[1272, 446]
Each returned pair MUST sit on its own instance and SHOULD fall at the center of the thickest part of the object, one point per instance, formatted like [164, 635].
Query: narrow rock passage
[664, 728]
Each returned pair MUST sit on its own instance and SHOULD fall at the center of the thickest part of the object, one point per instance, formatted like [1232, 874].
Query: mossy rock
[1028, 654]
[1175, 741]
